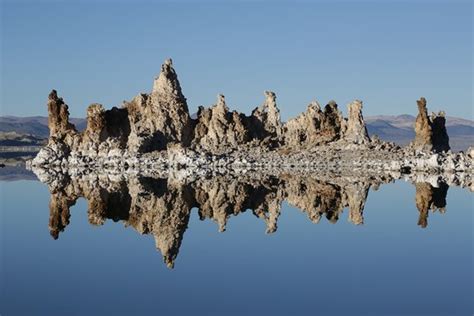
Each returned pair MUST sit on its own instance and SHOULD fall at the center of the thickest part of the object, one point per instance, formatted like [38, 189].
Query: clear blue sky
[387, 54]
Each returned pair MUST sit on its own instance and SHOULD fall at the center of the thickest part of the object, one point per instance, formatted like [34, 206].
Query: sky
[387, 54]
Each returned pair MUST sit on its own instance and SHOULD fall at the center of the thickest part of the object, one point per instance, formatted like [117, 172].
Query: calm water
[389, 265]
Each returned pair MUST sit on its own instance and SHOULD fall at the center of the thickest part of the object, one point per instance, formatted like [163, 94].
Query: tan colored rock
[217, 128]
[161, 117]
[96, 130]
[430, 132]
[160, 120]
[168, 104]
[304, 130]
[265, 121]
[355, 130]
[314, 127]
[423, 132]
[58, 117]
[332, 126]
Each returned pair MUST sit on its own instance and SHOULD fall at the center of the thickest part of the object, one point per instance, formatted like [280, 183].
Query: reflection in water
[162, 207]
[430, 198]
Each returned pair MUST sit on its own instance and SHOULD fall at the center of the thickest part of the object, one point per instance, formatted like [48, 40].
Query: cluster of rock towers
[151, 122]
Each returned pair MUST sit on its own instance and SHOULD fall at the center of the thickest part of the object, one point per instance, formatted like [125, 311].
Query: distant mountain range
[33, 125]
[398, 129]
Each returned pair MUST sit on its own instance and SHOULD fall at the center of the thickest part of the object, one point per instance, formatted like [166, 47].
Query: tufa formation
[154, 121]
[431, 131]
[159, 122]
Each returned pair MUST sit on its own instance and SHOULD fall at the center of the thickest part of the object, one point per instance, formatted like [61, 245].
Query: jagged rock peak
[216, 127]
[273, 117]
[304, 129]
[315, 127]
[96, 123]
[430, 132]
[265, 121]
[355, 130]
[221, 105]
[160, 118]
[58, 116]
[423, 133]
[314, 106]
[166, 85]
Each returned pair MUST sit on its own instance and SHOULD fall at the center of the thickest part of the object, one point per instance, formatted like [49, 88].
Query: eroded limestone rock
[96, 130]
[423, 133]
[217, 128]
[152, 124]
[58, 117]
[161, 117]
[314, 127]
[356, 131]
[265, 122]
[430, 132]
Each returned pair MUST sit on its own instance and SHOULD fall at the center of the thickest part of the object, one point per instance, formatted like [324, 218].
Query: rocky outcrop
[156, 129]
[96, 130]
[423, 133]
[265, 122]
[355, 130]
[58, 117]
[161, 117]
[314, 127]
[430, 132]
[217, 128]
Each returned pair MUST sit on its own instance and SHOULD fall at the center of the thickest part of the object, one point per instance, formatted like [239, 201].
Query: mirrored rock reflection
[162, 206]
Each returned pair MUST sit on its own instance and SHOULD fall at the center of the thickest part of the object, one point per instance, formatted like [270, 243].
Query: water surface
[396, 259]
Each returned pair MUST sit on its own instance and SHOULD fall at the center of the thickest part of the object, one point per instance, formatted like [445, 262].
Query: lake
[291, 246]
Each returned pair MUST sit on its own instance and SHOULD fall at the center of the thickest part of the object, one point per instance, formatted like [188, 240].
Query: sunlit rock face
[314, 127]
[161, 117]
[264, 124]
[217, 128]
[106, 129]
[423, 133]
[355, 130]
[431, 133]
[58, 117]
[154, 130]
